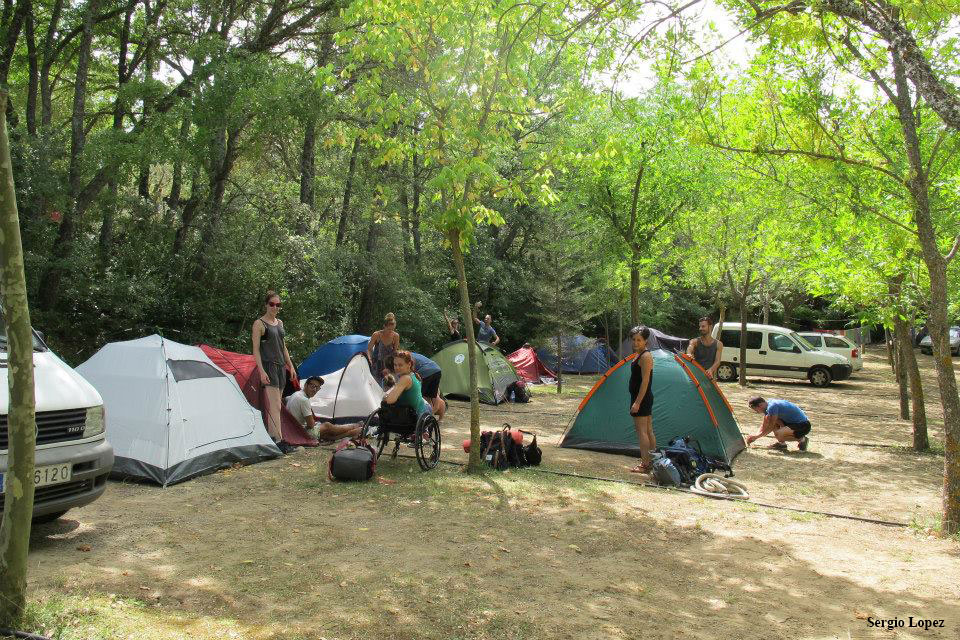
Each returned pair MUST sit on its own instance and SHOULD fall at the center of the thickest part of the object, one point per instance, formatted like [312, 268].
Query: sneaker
[287, 448]
[779, 446]
[804, 443]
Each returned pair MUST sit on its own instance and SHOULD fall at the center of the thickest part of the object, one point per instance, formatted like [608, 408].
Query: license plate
[44, 476]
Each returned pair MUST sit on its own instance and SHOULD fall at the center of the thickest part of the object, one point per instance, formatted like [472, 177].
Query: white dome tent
[171, 413]
[349, 394]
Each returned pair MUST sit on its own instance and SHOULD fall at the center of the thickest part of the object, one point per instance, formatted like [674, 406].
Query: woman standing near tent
[383, 343]
[641, 397]
[270, 352]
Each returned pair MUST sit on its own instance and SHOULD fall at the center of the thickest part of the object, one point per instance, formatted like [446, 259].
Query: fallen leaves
[387, 481]
[85, 548]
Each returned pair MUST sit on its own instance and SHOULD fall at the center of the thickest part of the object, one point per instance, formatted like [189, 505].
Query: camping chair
[402, 424]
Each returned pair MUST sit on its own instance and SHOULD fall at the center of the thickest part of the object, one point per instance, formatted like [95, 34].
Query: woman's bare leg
[642, 440]
[273, 413]
[651, 438]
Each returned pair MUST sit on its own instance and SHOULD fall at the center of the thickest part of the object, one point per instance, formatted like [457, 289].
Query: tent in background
[332, 356]
[685, 403]
[528, 365]
[658, 340]
[494, 373]
[349, 394]
[581, 355]
[173, 414]
[243, 367]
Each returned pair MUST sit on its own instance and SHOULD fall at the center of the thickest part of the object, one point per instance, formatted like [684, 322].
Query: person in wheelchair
[407, 390]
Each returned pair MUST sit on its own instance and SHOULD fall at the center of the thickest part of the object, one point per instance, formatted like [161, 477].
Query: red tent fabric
[528, 365]
[244, 368]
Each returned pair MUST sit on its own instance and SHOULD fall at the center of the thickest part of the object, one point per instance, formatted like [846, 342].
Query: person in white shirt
[298, 404]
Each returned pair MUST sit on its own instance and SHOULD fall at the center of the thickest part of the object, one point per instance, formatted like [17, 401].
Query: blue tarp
[580, 355]
[332, 356]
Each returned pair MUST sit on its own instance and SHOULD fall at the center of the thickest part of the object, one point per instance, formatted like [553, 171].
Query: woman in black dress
[641, 397]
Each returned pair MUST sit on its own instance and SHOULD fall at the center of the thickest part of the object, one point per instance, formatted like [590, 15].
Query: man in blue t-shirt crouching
[785, 420]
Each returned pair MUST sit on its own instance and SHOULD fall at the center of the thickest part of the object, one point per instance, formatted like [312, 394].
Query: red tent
[528, 366]
[244, 368]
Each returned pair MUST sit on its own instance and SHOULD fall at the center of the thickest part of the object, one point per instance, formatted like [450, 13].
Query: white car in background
[835, 344]
[926, 345]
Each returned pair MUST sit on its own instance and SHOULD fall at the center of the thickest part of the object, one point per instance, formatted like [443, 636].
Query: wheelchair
[404, 426]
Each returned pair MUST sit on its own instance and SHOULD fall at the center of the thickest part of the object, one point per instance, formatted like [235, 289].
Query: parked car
[73, 457]
[836, 344]
[776, 352]
[926, 345]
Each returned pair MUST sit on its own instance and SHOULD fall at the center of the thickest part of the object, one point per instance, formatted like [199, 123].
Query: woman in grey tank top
[270, 353]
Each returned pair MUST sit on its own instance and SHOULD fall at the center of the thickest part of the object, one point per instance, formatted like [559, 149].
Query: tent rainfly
[172, 413]
[685, 403]
[494, 373]
[529, 366]
[658, 340]
[332, 356]
[581, 355]
[243, 367]
[349, 394]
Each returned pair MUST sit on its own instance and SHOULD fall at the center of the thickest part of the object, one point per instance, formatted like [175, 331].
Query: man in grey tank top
[706, 350]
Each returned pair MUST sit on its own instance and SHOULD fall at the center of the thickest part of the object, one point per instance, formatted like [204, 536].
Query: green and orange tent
[685, 403]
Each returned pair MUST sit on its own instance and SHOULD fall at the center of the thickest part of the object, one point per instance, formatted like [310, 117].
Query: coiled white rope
[716, 486]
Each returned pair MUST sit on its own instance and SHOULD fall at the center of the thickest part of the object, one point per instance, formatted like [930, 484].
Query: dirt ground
[276, 551]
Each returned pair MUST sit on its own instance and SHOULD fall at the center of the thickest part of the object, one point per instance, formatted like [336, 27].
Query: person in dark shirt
[453, 325]
[706, 350]
[641, 397]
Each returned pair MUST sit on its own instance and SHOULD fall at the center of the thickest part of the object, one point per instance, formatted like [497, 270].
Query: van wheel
[820, 377]
[50, 517]
[726, 372]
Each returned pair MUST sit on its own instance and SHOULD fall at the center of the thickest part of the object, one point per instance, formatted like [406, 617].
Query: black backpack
[500, 451]
[689, 460]
[518, 392]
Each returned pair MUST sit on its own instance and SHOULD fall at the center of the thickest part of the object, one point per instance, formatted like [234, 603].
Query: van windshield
[806, 346]
[37, 344]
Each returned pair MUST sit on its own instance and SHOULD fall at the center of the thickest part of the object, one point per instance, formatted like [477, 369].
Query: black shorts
[800, 429]
[646, 405]
[430, 386]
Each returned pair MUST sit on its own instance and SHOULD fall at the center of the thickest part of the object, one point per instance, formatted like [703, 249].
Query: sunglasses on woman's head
[275, 304]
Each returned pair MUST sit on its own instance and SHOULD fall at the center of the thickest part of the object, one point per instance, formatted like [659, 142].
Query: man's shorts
[800, 429]
[430, 386]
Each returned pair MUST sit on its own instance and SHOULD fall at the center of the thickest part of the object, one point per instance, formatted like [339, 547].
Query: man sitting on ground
[785, 420]
[298, 403]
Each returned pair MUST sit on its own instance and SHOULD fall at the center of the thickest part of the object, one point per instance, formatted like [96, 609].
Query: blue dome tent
[332, 356]
[580, 355]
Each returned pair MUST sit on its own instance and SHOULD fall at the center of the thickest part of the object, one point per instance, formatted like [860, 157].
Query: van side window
[836, 342]
[731, 338]
[780, 342]
[816, 341]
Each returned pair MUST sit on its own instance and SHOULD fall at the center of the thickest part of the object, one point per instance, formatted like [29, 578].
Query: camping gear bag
[696, 459]
[353, 460]
[518, 392]
[501, 449]
[665, 473]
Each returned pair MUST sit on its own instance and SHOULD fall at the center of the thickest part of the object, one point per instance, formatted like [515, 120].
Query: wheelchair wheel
[427, 442]
[379, 439]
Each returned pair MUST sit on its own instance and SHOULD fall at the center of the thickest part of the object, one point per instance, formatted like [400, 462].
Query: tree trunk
[936, 265]
[559, 371]
[722, 316]
[63, 246]
[365, 310]
[12, 34]
[888, 341]
[415, 211]
[766, 304]
[473, 465]
[176, 184]
[47, 60]
[634, 290]
[742, 369]
[347, 190]
[901, 335]
[18, 509]
[308, 173]
[33, 82]
[908, 361]
[405, 217]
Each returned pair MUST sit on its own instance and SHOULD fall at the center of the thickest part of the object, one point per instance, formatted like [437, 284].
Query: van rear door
[731, 349]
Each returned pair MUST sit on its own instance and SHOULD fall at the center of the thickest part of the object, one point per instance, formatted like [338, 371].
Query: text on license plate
[44, 476]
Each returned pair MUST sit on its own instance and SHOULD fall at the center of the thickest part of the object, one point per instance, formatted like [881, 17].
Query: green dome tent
[685, 403]
[494, 373]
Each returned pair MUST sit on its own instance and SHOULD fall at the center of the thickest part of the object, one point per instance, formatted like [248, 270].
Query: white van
[835, 344]
[776, 352]
[73, 458]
